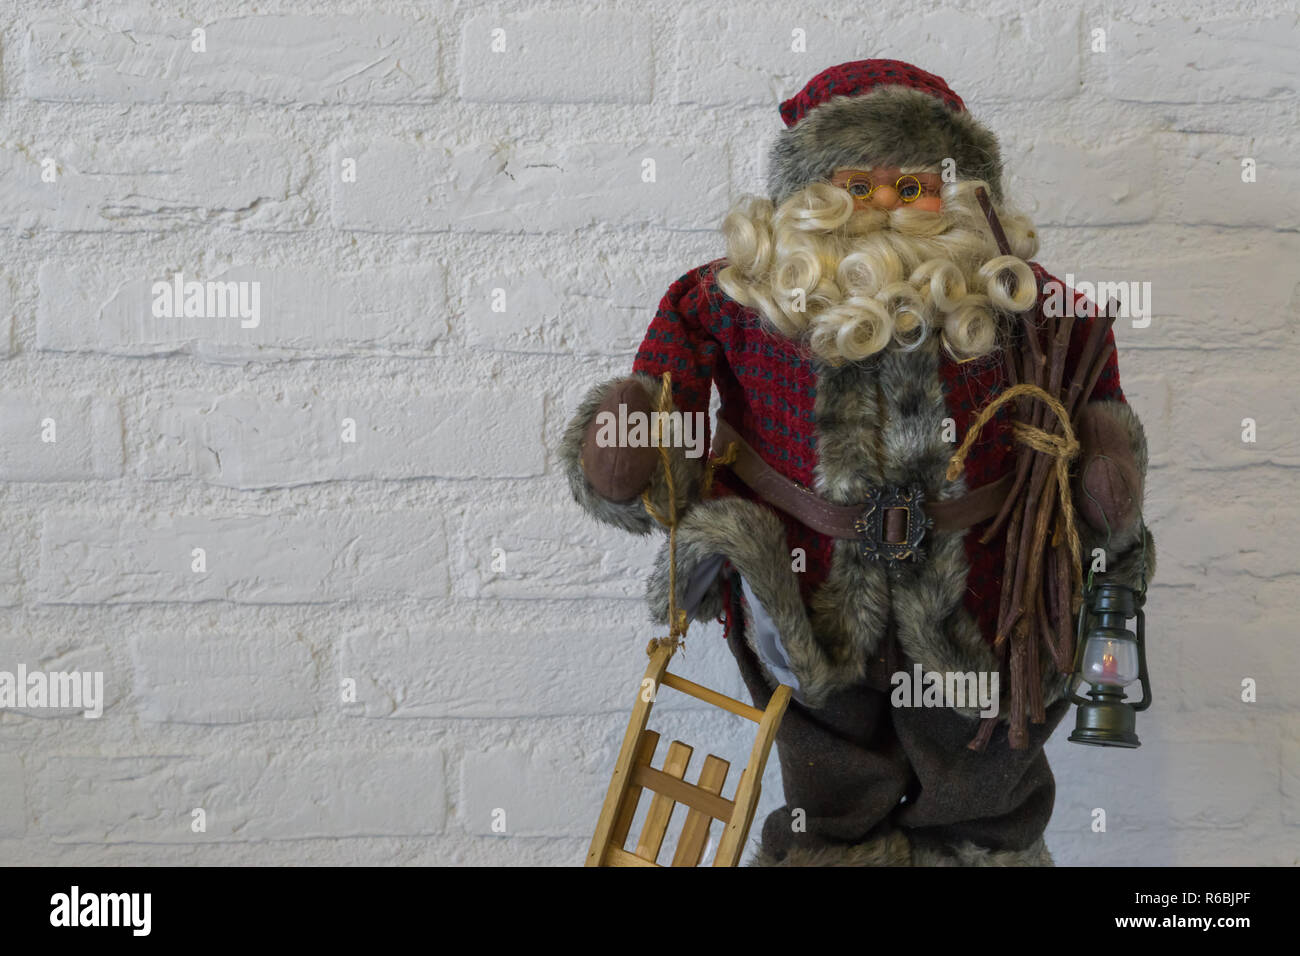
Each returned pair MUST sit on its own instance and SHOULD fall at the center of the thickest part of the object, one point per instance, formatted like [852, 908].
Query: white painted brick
[586, 308]
[1202, 61]
[1222, 637]
[256, 439]
[252, 183]
[15, 550]
[405, 187]
[1219, 781]
[1200, 181]
[6, 316]
[961, 47]
[136, 57]
[197, 674]
[1210, 537]
[285, 794]
[458, 849]
[90, 559]
[1227, 300]
[1086, 782]
[969, 51]
[304, 311]
[1192, 771]
[1208, 422]
[564, 56]
[87, 433]
[1291, 780]
[1169, 846]
[1067, 183]
[432, 671]
[707, 71]
[1152, 398]
[541, 792]
[63, 654]
[551, 552]
[13, 798]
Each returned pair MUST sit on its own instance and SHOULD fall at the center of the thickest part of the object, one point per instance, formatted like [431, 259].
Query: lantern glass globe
[1110, 661]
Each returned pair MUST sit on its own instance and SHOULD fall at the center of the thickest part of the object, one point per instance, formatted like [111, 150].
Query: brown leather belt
[889, 525]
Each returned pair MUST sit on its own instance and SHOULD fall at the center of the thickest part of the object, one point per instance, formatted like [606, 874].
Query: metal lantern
[1109, 657]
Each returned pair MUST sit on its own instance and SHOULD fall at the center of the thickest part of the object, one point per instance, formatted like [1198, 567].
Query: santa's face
[889, 187]
[877, 257]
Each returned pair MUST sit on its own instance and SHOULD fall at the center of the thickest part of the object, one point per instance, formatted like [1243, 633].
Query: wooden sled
[634, 773]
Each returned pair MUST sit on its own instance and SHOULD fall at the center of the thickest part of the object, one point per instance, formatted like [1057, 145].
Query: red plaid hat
[878, 112]
[863, 76]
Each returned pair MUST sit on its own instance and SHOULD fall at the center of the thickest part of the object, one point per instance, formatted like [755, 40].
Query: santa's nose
[886, 197]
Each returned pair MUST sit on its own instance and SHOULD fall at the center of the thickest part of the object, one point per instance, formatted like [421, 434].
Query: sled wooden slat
[616, 857]
[661, 807]
[713, 697]
[695, 832]
[683, 792]
[634, 772]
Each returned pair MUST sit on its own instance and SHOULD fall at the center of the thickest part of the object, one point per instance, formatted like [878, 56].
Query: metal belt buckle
[870, 525]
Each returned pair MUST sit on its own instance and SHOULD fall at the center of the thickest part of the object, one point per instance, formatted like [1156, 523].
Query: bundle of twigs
[1042, 582]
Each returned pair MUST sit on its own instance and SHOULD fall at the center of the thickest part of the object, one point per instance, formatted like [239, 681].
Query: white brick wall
[95, 307]
[350, 679]
[156, 184]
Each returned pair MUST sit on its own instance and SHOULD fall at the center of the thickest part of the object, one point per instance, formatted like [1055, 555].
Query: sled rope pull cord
[677, 623]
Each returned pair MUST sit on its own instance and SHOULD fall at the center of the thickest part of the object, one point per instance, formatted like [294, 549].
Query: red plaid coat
[768, 385]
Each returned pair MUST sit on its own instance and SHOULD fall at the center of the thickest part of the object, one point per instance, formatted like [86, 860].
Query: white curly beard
[852, 282]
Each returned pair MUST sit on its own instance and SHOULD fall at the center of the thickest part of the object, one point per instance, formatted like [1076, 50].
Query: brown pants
[866, 774]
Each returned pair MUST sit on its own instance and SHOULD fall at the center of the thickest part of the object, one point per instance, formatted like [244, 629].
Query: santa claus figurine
[867, 310]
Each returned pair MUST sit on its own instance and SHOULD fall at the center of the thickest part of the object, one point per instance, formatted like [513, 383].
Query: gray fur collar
[883, 421]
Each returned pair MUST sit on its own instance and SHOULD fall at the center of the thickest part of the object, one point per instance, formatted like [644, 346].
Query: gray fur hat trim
[888, 126]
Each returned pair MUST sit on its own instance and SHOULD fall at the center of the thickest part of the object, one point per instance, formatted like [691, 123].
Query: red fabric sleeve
[676, 342]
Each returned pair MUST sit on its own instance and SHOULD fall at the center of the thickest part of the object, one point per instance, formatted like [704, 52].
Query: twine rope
[1063, 448]
[677, 623]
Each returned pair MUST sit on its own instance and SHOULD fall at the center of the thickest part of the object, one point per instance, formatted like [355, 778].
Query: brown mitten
[617, 473]
[1108, 485]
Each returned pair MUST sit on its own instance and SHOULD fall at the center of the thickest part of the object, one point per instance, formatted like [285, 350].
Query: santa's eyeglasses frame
[910, 187]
